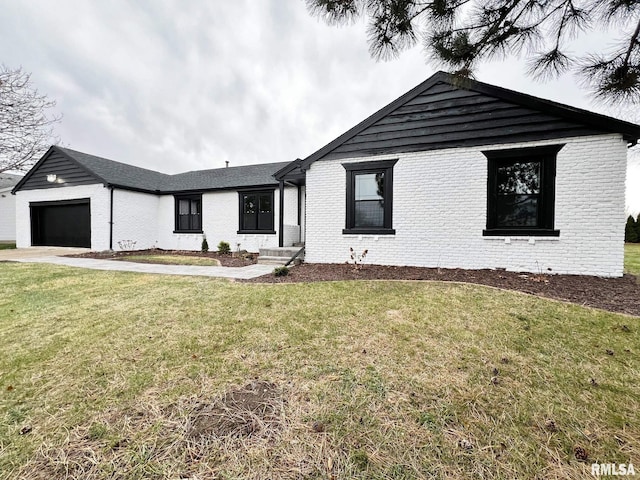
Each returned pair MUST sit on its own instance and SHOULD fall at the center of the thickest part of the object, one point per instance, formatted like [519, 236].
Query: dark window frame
[257, 192]
[191, 197]
[354, 169]
[547, 156]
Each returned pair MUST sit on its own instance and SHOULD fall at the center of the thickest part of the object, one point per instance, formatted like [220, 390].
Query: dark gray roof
[220, 178]
[9, 180]
[117, 173]
[127, 176]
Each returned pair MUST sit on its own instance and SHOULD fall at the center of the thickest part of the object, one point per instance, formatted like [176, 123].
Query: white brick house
[439, 221]
[453, 174]
[73, 199]
[461, 174]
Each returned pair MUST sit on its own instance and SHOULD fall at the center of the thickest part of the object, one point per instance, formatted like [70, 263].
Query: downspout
[281, 219]
[111, 219]
[299, 204]
[299, 213]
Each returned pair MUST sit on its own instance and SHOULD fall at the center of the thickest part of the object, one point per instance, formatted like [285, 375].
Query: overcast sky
[177, 85]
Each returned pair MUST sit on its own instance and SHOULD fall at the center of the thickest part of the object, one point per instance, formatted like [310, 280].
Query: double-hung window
[369, 197]
[256, 212]
[521, 191]
[188, 213]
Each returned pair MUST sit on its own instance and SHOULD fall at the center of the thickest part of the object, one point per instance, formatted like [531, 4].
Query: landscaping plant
[224, 247]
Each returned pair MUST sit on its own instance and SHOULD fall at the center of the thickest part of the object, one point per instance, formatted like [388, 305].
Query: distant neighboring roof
[9, 180]
[122, 175]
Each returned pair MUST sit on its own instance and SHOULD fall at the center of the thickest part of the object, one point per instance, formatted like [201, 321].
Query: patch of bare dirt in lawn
[226, 259]
[613, 294]
[193, 437]
[255, 409]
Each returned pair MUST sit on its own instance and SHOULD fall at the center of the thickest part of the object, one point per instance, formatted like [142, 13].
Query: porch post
[281, 219]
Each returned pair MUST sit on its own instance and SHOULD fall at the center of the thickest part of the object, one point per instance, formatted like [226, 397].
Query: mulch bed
[613, 294]
[226, 260]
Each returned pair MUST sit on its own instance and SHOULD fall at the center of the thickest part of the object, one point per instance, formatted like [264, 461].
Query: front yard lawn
[7, 246]
[121, 375]
[173, 260]
[632, 258]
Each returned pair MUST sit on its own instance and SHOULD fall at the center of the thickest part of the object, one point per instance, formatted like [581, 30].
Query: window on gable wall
[369, 205]
[188, 213]
[521, 191]
[256, 212]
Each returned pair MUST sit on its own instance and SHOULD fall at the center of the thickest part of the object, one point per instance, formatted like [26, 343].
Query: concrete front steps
[278, 255]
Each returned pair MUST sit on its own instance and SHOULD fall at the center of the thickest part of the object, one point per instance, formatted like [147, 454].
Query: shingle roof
[117, 173]
[9, 180]
[232, 177]
[129, 176]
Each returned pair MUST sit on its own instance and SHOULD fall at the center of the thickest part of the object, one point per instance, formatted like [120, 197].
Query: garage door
[61, 224]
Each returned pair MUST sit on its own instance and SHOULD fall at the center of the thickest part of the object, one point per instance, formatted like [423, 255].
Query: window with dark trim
[369, 197]
[521, 191]
[188, 213]
[256, 212]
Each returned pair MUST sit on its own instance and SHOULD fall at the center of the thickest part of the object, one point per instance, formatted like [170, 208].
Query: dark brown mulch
[613, 294]
[226, 260]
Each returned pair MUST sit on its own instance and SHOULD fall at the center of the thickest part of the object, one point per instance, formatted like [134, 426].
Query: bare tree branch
[461, 33]
[26, 128]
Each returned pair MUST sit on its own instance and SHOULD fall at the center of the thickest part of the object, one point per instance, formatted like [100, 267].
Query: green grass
[380, 380]
[632, 258]
[7, 246]
[172, 260]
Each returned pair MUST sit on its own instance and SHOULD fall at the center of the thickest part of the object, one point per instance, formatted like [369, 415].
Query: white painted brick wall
[439, 212]
[220, 217]
[291, 235]
[7, 215]
[291, 228]
[303, 214]
[149, 220]
[98, 195]
[135, 218]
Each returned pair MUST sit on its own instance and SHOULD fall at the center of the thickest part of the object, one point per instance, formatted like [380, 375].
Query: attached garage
[61, 223]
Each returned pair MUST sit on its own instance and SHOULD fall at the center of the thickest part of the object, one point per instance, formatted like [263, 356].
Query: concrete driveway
[17, 254]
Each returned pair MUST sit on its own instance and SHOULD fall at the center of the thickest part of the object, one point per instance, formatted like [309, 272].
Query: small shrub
[224, 247]
[281, 271]
[205, 244]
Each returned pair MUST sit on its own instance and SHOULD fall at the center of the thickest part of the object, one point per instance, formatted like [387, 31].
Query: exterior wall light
[52, 177]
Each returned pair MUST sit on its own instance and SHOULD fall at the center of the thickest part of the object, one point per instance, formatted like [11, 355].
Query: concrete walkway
[38, 255]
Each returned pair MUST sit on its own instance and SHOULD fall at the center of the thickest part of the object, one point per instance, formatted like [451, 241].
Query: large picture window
[256, 212]
[521, 191]
[369, 197]
[189, 213]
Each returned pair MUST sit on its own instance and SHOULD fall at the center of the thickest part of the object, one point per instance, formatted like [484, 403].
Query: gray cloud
[182, 85]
